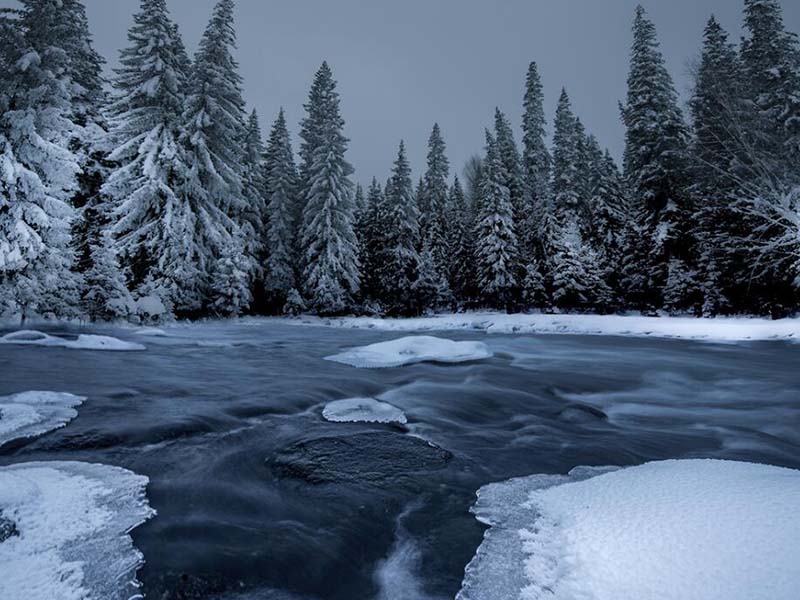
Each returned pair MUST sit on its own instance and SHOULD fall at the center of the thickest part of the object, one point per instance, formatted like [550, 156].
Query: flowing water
[208, 412]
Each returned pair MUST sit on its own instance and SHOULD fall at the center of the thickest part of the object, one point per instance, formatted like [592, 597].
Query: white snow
[73, 521]
[150, 307]
[363, 410]
[411, 350]
[719, 329]
[29, 414]
[151, 332]
[83, 342]
[674, 530]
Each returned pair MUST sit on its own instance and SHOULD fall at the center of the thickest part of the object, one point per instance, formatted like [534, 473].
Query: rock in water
[372, 458]
[7, 528]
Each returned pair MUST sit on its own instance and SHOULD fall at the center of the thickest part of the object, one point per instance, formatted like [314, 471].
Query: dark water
[205, 412]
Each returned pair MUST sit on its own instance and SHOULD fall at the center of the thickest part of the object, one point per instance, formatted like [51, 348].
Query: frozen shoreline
[729, 329]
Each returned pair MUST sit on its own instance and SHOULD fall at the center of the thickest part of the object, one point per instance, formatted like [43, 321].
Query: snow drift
[682, 530]
[363, 410]
[83, 342]
[29, 414]
[72, 522]
[411, 350]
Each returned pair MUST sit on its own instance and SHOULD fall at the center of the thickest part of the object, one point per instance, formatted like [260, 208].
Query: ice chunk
[73, 521]
[715, 530]
[151, 332]
[33, 413]
[83, 342]
[410, 350]
[363, 410]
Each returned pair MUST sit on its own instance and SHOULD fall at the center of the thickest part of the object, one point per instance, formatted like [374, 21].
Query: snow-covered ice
[411, 350]
[673, 530]
[29, 414]
[151, 332]
[73, 521]
[363, 410]
[83, 342]
[719, 329]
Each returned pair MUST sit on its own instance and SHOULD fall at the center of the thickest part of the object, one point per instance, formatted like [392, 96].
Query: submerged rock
[368, 458]
[8, 528]
[582, 413]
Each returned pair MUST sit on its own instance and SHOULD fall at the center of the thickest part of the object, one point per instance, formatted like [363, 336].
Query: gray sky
[402, 65]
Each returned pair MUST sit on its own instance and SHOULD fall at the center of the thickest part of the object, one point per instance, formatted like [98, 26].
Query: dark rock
[373, 458]
[8, 529]
[582, 413]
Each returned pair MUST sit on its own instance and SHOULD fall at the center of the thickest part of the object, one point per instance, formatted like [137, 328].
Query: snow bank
[83, 342]
[411, 350]
[682, 530]
[720, 329]
[363, 410]
[73, 521]
[33, 413]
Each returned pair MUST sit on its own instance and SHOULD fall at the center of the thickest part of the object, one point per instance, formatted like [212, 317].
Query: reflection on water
[204, 411]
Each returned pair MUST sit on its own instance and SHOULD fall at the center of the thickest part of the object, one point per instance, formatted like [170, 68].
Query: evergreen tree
[145, 119]
[254, 191]
[372, 232]
[655, 150]
[512, 168]
[536, 159]
[105, 296]
[230, 281]
[214, 129]
[577, 277]
[281, 185]
[566, 165]
[462, 245]
[534, 292]
[432, 202]
[401, 239]
[331, 271]
[431, 290]
[496, 251]
[37, 168]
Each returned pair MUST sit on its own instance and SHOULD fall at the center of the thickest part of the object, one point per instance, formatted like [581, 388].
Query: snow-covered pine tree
[716, 160]
[577, 277]
[431, 290]
[512, 168]
[144, 119]
[105, 296]
[311, 131]
[331, 275]
[566, 185]
[534, 292]
[432, 202]
[281, 183]
[254, 192]
[371, 232]
[230, 280]
[536, 159]
[655, 156]
[771, 64]
[401, 239]
[214, 129]
[462, 245]
[496, 251]
[37, 168]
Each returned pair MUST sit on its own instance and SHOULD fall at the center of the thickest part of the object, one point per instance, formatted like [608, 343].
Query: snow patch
[30, 414]
[73, 521]
[151, 332]
[83, 342]
[718, 330]
[363, 410]
[716, 530]
[411, 350]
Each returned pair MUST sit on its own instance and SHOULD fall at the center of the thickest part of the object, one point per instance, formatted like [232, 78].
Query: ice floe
[72, 522]
[411, 350]
[673, 530]
[363, 410]
[83, 341]
[29, 414]
[733, 329]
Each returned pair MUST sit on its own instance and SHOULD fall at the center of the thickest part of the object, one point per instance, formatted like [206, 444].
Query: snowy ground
[411, 350]
[29, 414]
[721, 329]
[71, 524]
[674, 530]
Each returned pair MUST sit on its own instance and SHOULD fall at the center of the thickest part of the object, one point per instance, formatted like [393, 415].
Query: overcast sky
[402, 65]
